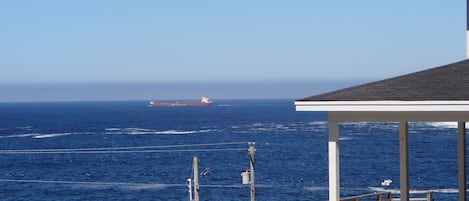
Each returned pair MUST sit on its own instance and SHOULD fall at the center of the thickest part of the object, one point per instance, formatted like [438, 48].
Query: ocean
[128, 151]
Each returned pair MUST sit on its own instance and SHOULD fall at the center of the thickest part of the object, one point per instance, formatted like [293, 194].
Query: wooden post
[429, 196]
[252, 152]
[462, 160]
[334, 180]
[196, 178]
[404, 159]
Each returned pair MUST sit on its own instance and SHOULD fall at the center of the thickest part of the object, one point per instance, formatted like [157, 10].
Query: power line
[119, 151]
[122, 148]
[144, 185]
[90, 183]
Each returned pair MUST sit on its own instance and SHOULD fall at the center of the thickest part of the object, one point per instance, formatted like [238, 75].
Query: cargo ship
[204, 102]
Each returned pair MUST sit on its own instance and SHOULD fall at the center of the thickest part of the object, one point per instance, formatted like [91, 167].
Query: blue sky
[268, 44]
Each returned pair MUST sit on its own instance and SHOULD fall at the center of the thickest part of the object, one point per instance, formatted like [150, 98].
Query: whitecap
[35, 135]
[39, 136]
[113, 129]
[397, 191]
[345, 138]
[20, 135]
[137, 129]
[147, 186]
[179, 132]
[381, 189]
[316, 188]
[444, 124]
[144, 131]
[318, 123]
[261, 129]
[446, 190]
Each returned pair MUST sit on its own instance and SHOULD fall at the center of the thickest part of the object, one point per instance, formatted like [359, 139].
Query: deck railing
[388, 196]
[381, 196]
[427, 196]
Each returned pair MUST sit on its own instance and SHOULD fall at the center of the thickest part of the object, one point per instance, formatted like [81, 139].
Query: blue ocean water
[290, 161]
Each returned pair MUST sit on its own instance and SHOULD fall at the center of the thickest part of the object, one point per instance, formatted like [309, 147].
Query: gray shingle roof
[449, 82]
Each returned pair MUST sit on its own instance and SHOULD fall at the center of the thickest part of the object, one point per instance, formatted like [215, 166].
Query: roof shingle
[448, 82]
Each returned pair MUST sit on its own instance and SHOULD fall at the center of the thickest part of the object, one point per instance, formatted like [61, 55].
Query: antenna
[467, 29]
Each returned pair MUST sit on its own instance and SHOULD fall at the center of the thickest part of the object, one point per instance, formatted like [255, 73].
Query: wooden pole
[196, 178]
[252, 152]
[462, 160]
[404, 159]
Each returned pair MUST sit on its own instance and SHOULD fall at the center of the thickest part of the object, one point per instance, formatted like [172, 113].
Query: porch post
[462, 160]
[334, 180]
[404, 159]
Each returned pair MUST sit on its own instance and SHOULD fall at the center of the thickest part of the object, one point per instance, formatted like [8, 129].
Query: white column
[334, 180]
[404, 159]
[462, 160]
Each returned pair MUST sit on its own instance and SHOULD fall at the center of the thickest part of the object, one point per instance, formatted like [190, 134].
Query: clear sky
[299, 43]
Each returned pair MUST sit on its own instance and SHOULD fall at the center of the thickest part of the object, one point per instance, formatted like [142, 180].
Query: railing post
[334, 162]
[429, 196]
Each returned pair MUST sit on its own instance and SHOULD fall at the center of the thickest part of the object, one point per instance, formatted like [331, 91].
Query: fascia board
[382, 106]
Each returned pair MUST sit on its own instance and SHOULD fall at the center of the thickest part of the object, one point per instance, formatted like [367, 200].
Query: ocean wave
[272, 127]
[344, 138]
[319, 126]
[444, 124]
[147, 186]
[316, 188]
[446, 190]
[36, 135]
[111, 131]
[19, 135]
[144, 131]
[322, 123]
[81, 184]
[371, 125]
[39, 136]
[397, 191]
[178, 132]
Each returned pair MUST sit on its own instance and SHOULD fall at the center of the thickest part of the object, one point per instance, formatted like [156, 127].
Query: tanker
[204, 102]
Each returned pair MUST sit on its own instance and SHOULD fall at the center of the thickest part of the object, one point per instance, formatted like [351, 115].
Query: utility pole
[252, 152]
[196, 178]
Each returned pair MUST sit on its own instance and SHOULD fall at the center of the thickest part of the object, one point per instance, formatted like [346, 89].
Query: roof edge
[370, 106]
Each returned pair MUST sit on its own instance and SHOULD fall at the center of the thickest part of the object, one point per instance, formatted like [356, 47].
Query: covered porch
[436, 95]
